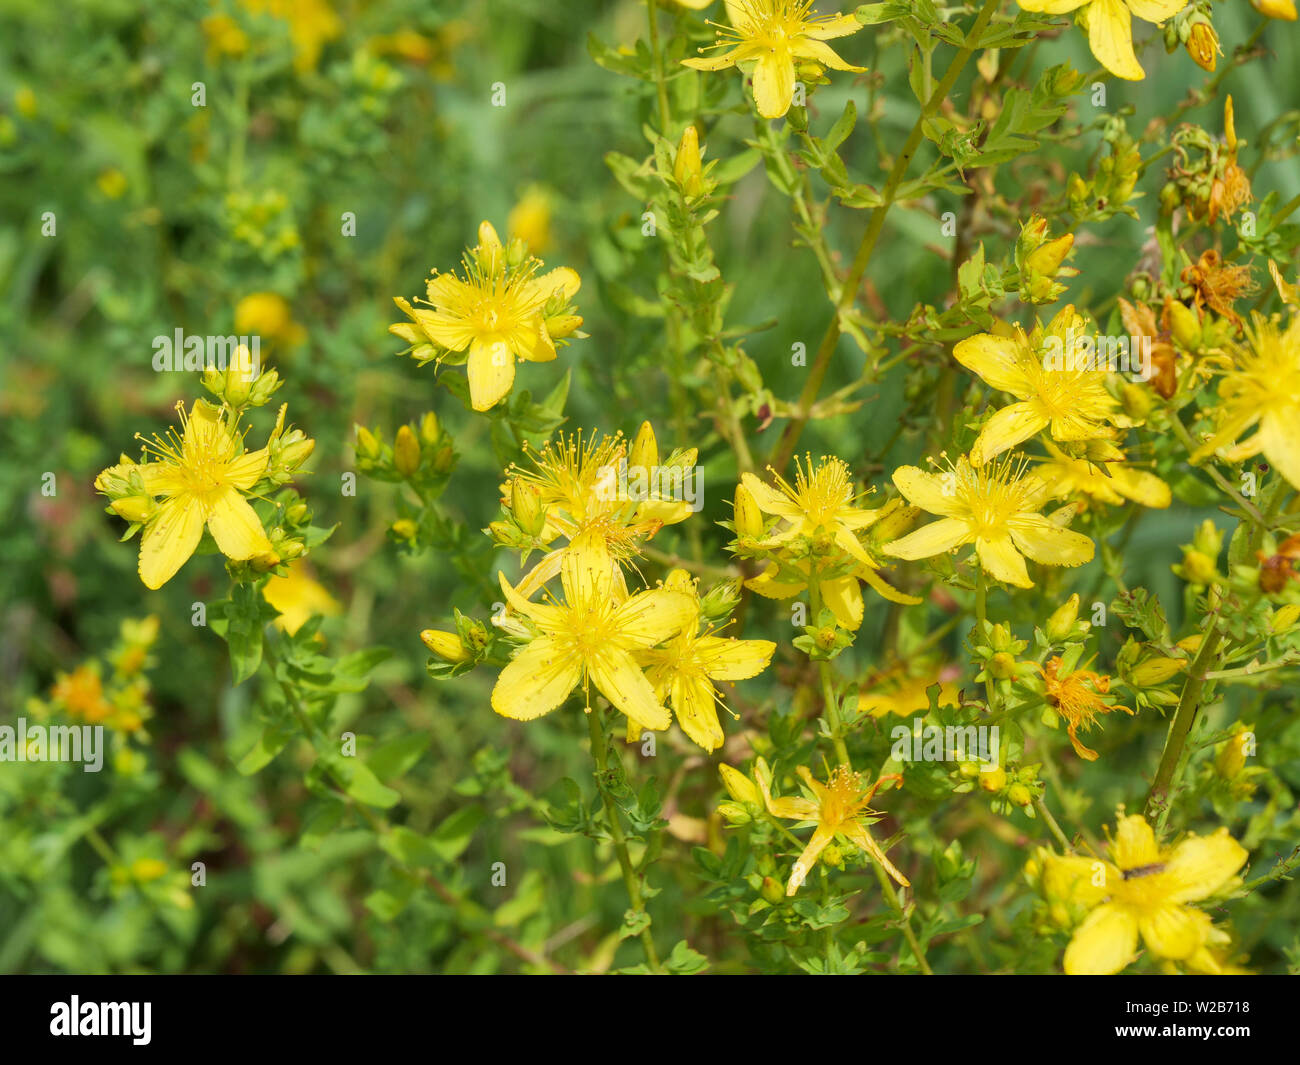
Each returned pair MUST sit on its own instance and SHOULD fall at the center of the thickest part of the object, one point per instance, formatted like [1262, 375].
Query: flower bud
[1156, 671]
[687, 165]
[645, 449]
[1019, 795]
[430, 430]
[446, 645]
[405, 529]
[1062, 619]
[994, 780]
[145, 869]
[1185, 325]
[1198, 567]
[1003, 665]
[1048, 259]
[1230, 756]
[1203, 45]
[748, 518]
[772, 891]
[406, 452]
[367, 443]
[1285, 617]
[739, 786]
[134, 508]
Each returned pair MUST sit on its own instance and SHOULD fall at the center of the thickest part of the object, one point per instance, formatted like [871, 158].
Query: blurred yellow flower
[1143, 890]
[1262, 387]
[312, 25]
[298, 597]
[530, 219]
[1109, 482]
[774, 35]
[268, 315]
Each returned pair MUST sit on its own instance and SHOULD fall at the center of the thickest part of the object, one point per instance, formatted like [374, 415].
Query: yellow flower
[1110, 482]
[576, 484]
[896, 691]
[774, 34]
[81, 694]
[530, 219]
[1110, 27]
[820, 506]
[312, 25]
[589, 638]
[498, 312]
[203, 475]
[683, 670]
[1279, 9]
[268, 315]
[1262, 387]
[837, 807]
[1078, 697]
[1144, 889]
[1058, 388]
[298, 597]
[995, 508]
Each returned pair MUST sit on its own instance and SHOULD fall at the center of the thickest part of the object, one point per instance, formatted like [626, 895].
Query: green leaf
[270, 743]
[451, 838]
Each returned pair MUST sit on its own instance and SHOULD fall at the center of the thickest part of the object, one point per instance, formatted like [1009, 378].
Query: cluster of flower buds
[1200, 566]
[1147, 670]
[421, 455]
[995, 650]
[1040, 260]
[1008, 789]
[243, 383]
[1205, 177]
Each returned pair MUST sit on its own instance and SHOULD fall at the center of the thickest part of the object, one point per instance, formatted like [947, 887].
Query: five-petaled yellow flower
[774, 34]
[996, 508]
[683, 670]
[1110, 27]
[498, 312]
[837, 808]
[203, 475]
[1058, 387]
[589, 638]
[1263, 387]
[1143, 890]
[820, 506]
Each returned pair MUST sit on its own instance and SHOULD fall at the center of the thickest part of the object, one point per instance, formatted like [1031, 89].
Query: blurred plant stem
[600, 755]
[849, 287]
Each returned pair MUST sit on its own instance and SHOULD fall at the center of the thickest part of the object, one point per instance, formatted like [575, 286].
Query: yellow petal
[159, 478]
[886, 590]
[859, 834]
[769, 500]
[537, 680]
[652, 616]
[697, 713]
[1141, 486]
[766, 584]
[1008, 427]
[235, 527]
[1156, 10]
[808, 47]
[1135, 843]
[1279, 437]
[1110, 35]
[933, 539]
[1200, 865]
[843, 598]
[1173, 931]
[169, 540]
[1103, 944]
[1049, 544]
[732, 659]
[994, 359]
[1001, 560]
[491, 370]
[621, 681]
[834, 26]
[245, 471]
[1074, 879]
[803, 866]
[931, 492]
[548, 616]
[587, 570]
[774, 83]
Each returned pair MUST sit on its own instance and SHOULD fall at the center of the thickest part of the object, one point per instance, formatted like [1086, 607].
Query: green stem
[817, 372]
[600, 754]
[904, 919]
[1188, 704]
[661, 87]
